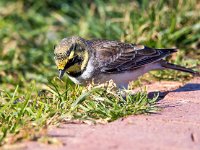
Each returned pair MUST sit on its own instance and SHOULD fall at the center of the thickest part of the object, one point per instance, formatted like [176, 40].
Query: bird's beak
[61, 73]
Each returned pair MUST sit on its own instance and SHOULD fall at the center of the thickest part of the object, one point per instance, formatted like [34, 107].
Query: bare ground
[175, 127]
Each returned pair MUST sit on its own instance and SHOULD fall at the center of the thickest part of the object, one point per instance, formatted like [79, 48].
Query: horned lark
[98, 61]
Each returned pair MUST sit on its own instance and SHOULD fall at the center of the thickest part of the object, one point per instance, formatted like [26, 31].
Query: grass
[33, 111]
[31, 98]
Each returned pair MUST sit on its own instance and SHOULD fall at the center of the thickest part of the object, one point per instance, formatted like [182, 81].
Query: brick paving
[175, 127]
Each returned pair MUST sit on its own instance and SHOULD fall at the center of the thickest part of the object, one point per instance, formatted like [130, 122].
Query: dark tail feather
[168, 51]
[168, 65]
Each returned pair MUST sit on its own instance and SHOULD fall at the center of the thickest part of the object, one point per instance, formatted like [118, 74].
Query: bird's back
[114, 56]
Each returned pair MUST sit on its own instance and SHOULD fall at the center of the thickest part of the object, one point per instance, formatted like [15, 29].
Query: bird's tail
[168, 65]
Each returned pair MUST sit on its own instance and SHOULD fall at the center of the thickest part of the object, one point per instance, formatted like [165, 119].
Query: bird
[97, 60]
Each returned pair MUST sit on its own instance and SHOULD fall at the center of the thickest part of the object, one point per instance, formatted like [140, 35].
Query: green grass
[31, 98]
[33, 110]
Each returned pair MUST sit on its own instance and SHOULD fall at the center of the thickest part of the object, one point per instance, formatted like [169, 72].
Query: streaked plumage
[101, 60]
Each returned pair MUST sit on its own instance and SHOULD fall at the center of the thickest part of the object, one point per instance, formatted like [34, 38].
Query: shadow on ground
[186, 88]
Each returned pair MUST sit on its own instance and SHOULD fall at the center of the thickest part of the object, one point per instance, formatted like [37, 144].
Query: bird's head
[71, 56]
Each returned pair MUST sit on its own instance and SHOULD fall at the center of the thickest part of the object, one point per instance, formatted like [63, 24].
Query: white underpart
[122, 79]
[88, 71]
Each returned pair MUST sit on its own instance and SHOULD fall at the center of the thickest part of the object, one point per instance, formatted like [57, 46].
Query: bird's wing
[116, 56]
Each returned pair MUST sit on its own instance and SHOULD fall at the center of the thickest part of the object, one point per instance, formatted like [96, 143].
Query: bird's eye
[73, 47]
[68, 52]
